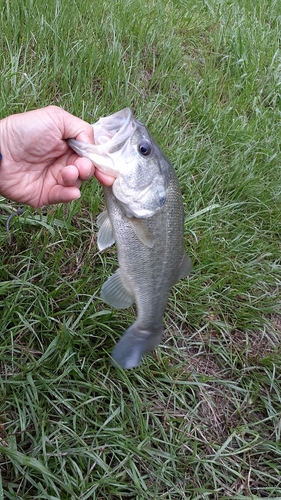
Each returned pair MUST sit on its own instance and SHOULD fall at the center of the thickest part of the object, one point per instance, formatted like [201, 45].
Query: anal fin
[115, 293]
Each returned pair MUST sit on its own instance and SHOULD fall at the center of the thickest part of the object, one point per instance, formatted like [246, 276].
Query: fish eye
[144, 148]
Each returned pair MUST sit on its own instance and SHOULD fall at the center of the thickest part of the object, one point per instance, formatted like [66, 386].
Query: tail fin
[134, 344]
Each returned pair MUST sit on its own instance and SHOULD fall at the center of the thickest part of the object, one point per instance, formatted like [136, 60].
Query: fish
[144, 216]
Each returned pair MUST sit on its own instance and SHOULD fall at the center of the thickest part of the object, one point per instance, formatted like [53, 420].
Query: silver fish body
[149, 238]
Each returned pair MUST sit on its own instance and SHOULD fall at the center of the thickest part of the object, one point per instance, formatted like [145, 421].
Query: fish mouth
[113, 130]
[110, 135]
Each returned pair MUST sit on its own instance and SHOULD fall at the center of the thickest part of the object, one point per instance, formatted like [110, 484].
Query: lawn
[201, 417]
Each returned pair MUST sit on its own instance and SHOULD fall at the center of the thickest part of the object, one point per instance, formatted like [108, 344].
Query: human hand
[38, 167]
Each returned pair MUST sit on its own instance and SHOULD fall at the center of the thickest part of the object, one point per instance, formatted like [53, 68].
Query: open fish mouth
[110, 135]
[114, 129]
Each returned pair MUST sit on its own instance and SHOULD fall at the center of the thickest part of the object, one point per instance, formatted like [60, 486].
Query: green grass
[200, 418]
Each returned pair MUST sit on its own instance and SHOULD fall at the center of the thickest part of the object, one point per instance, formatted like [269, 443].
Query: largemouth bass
[145, 218]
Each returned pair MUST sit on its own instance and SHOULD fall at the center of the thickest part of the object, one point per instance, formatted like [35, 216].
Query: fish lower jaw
[134, 344]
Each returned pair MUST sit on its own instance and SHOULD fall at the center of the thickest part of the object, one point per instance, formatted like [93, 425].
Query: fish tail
[134, 344]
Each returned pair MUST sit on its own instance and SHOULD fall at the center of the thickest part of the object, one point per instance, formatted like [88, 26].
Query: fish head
[143, 174]
[125, 149]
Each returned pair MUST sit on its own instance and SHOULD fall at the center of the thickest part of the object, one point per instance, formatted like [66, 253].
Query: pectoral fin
[184, 267]
[106, 236]
[115, 293]
[142, 231]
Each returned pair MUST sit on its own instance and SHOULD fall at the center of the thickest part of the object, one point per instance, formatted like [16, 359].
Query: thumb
[71, 126]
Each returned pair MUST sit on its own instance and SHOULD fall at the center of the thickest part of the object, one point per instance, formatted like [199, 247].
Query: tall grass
[200, 418]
